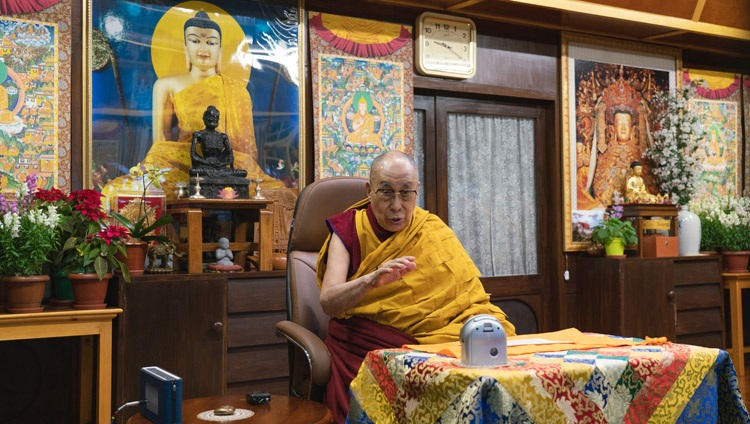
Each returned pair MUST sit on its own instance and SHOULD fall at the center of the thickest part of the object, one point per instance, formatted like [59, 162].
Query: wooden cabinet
[216, 331]
[679, 298]
[176, 322]
[257, 358]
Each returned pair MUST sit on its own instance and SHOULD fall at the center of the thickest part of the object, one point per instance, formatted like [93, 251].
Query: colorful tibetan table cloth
[628, 384]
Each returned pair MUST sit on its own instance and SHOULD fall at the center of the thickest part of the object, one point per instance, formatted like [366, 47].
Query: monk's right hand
[393, 270]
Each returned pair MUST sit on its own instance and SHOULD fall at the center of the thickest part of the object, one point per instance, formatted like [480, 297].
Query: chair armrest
[316, 351]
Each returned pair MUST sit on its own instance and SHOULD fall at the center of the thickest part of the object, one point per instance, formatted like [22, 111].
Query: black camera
[258, 398]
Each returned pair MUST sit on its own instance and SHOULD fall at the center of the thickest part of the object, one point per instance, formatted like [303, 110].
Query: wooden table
[74, 323]
[735, 283]
[245, 212]
[282, 409]
[641, 215]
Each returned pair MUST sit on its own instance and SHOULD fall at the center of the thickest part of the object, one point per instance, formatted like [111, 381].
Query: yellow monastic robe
[236, 109]
[432, 302]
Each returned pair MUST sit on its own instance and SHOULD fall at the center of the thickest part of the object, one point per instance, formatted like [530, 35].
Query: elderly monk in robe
[391, 274]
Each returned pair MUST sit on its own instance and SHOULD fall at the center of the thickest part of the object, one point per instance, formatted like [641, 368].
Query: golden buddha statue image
[180, 99]
[635, 188]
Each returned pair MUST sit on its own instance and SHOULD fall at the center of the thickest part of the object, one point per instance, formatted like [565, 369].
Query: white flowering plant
[725, 222]
[27, 232]
[676, 137]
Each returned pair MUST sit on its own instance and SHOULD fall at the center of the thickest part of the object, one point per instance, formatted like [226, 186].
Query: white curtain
[419, 151]
[491, 195]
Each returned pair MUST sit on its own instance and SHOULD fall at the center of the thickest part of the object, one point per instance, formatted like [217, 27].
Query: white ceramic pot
[689, 232]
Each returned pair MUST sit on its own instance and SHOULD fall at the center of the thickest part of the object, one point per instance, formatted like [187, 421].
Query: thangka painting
[608, 88]
[362, 92]
[29, 102]
[717, 100]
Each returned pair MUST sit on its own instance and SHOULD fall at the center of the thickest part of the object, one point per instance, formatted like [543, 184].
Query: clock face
[446, 45]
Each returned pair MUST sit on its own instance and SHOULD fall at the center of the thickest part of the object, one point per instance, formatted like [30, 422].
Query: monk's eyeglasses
[404, 195]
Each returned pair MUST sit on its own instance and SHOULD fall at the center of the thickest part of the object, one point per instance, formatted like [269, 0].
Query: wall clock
[446, 45]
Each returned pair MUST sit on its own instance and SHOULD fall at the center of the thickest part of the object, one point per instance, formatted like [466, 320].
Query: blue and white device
[163, 391]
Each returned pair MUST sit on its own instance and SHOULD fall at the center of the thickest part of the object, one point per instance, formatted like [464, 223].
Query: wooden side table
[641, 215]
[282, 409]
[72, 323]
[245, 212]
[735, 283]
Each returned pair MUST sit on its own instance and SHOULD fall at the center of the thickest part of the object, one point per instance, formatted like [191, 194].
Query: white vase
[689, 232]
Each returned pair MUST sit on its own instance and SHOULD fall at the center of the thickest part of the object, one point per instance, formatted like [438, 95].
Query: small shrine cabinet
[650, 219]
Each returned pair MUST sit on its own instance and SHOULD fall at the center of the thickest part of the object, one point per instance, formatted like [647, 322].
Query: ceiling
[713, 26]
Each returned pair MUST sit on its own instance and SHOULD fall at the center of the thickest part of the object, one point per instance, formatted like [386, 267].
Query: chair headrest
[316, 203]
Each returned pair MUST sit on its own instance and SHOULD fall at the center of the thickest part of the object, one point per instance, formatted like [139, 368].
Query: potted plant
[27, 234]
[614, 233]
[142, 224]
[725, 226]
[678, 130]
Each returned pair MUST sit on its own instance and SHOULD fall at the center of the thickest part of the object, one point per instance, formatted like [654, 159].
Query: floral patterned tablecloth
[631, 384]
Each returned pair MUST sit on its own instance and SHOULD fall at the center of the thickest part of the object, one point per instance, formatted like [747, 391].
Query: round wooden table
[282, 409]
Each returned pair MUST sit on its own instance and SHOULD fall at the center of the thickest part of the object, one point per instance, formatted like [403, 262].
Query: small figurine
[635, 188]
[224, 258]
[161, 257]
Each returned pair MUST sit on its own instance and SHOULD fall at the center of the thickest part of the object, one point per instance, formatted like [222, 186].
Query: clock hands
[450, 49]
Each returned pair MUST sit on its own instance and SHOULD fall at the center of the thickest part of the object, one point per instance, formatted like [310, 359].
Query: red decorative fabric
[13, 7]
[349, 340]
[358, 49]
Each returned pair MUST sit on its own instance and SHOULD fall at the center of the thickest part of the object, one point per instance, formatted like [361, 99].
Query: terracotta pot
[735, 262]
[89, 291]
[25, 294]
[136, 257]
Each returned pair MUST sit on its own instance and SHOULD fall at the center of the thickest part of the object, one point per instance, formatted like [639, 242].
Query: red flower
[112, 233]
[52, 195]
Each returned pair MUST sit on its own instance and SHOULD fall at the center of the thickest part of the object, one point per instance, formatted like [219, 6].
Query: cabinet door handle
[670, 295]
[218, 328]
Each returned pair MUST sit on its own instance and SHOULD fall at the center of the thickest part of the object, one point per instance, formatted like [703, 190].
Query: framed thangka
[30, 107]
[717, 101]
[362, 92]
[157, 66]
[607, 89]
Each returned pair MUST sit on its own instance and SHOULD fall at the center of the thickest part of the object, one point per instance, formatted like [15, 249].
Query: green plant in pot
[613, 232]
[725, 226]
[27, 233]
[98, 252]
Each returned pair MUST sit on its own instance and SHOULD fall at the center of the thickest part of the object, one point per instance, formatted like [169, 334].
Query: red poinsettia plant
[89, 243]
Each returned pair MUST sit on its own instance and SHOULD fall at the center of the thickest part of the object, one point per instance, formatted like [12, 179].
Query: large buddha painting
[158, 66]
[608, 88]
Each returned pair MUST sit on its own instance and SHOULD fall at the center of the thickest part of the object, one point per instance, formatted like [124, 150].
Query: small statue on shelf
[161, 257]
[224, 258]
[215, 160]
[635, 188]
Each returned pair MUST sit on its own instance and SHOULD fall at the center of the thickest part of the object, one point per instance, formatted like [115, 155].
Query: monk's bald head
[394, 160]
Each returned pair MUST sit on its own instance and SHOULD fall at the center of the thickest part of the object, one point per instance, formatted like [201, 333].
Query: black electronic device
[163, 391]
[258, 398]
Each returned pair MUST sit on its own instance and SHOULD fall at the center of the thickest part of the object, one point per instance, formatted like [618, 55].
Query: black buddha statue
[213, 160]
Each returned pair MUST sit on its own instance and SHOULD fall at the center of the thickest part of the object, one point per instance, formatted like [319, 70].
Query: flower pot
[136, 257]
[615, 248]
[689, 233]
[25, 294]
[62, 291]
[89, 291]
[735, 262]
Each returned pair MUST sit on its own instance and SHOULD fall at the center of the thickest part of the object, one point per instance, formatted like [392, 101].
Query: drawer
[699, 321]
[256, 295]
[696, 272]
[257, 363]
[698, 296]
[253, 329]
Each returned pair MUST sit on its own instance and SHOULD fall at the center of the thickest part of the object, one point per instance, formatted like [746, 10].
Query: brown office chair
[307, 324]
